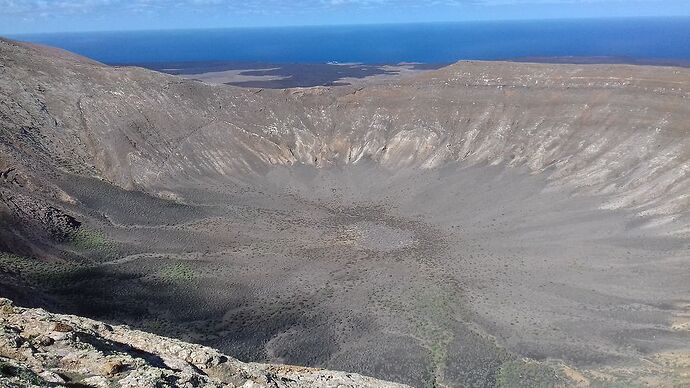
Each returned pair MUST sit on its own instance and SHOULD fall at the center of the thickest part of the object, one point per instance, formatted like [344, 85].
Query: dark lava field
[484, 224]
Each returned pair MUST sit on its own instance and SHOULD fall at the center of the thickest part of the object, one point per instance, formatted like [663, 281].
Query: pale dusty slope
[615, 130]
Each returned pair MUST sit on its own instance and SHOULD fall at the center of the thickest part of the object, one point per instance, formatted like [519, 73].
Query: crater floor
[412, 276]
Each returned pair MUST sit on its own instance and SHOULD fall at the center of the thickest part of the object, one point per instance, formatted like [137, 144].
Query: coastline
[294, 75]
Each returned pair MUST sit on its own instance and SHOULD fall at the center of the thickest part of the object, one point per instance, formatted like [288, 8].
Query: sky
[33, 16]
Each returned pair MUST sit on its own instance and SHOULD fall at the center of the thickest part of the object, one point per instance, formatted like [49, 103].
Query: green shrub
[34, 270]
[527, 374]
[179, 274]
[90, 240]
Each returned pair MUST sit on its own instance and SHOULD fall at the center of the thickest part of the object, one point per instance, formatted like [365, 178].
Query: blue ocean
[648, 39]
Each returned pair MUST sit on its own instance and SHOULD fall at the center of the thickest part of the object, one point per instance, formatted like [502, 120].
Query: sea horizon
[646, 39]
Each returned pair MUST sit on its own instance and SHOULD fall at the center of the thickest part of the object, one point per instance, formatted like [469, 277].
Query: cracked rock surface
[38, 348]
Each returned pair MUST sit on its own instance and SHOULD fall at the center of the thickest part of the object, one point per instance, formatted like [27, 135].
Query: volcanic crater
[459, 227]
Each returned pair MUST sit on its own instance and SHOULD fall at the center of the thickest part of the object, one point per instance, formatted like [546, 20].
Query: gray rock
[139, 359]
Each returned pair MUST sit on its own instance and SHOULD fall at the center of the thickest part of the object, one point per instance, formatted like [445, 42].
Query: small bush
[91, 240]
[527, 374]
[34, 270]
[178, 274]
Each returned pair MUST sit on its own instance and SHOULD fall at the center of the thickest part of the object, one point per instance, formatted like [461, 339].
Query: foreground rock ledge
[38, 348]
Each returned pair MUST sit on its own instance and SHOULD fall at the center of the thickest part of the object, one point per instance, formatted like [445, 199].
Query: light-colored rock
[100, 355]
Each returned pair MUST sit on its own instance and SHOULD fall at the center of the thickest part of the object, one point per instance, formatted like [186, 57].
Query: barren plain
[484, 224]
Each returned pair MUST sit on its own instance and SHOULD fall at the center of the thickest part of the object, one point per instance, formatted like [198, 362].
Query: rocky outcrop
[38, 348]
[55, 221]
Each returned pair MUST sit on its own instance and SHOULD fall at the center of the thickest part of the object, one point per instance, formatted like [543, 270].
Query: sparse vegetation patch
[86, 239]
[178, 274]
[33, 270]
[527, 374]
